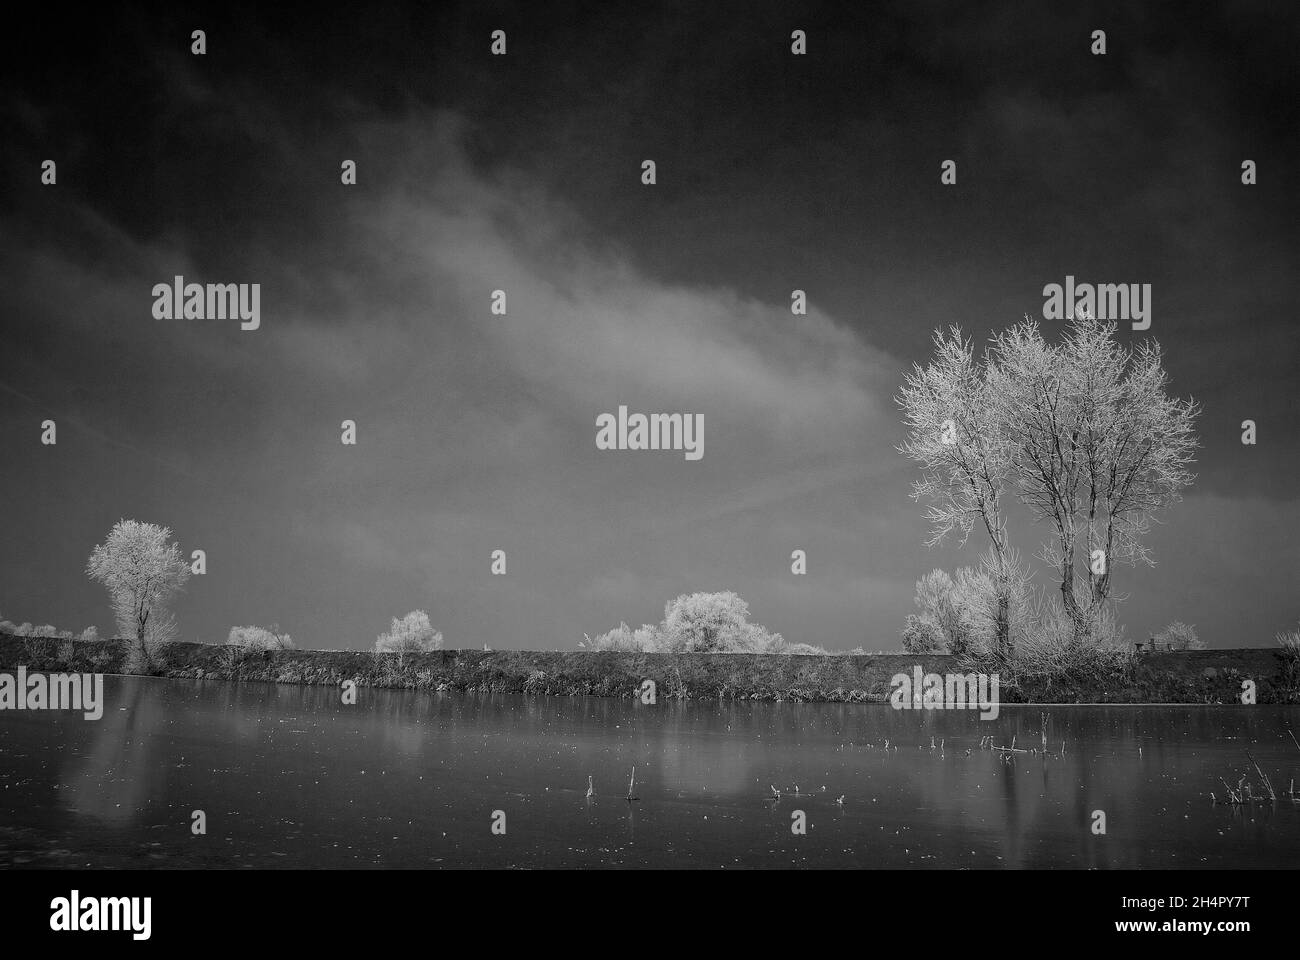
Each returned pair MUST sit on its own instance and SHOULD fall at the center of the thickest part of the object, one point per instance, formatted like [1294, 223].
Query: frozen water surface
[288, 776]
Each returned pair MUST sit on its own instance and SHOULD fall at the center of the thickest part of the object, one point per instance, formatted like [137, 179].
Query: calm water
[289, 777]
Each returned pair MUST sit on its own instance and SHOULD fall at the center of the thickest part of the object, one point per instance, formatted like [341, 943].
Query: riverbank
[1199, 676]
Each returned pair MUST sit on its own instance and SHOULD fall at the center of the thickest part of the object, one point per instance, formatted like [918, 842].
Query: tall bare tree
[955, 434]
[1099, 447]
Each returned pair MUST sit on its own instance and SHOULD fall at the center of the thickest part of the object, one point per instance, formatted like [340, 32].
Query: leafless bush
[1049, 646]
[1180, 636]
[1289, 641]
[622, 639]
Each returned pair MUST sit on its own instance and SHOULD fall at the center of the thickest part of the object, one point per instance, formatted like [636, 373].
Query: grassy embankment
[1202, 676]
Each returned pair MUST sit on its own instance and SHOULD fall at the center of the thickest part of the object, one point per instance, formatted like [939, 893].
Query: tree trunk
[1071, 603]
[1003, 622]
[142, 648]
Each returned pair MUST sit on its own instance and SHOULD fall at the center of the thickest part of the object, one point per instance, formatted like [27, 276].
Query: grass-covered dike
[1196, 676]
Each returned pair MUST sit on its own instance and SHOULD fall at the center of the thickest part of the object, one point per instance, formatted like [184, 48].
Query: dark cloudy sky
[522, 172]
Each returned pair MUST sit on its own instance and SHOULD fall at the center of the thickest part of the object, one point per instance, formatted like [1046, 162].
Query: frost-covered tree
[700, 623]
[409, 634]
[1098, 448]
[142, 569]
[965, 455]
[713, 623]
[704, 623]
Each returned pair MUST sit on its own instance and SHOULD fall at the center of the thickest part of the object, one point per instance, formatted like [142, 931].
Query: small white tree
[713, 623]
[142, 569]
[258, 639]
[699, 623]
[409, 634]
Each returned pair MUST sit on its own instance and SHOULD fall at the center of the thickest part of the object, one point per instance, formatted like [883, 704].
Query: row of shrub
[412, 633]
[46, 630]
